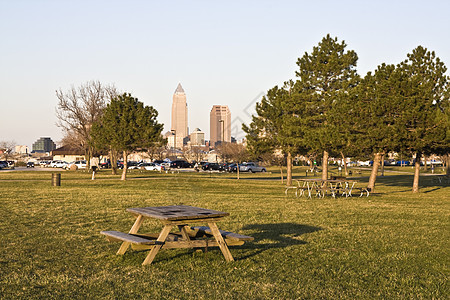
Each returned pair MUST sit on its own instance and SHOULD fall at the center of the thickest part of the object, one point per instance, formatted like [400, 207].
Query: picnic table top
[327, 180]
[177, 212]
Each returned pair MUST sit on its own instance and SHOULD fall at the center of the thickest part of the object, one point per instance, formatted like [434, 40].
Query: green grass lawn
[393, 244]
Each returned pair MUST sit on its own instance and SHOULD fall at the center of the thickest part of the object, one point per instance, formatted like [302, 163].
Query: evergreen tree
[372, 113]
[127, 125]
[423, 121]
[275, 127]
[325, 75]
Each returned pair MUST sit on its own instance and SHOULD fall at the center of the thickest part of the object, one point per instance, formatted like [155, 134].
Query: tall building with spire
[220, 124]
[179, 117]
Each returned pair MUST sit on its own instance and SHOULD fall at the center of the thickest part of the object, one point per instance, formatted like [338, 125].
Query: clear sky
[222, 52]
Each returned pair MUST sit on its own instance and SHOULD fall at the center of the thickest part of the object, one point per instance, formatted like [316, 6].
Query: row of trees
[97, 119]
[330, 110]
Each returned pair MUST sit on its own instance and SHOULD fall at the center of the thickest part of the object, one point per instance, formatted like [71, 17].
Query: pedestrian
[94, 163]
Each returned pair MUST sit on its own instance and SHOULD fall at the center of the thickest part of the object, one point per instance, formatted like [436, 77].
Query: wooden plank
[177, 212]
[190, 221]
[134, 239]
[154, 250]
[134, 229]
[226, 234]
[222, 245]
[185, 244]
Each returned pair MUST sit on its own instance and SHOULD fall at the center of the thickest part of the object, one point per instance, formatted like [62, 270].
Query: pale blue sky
[225, 52]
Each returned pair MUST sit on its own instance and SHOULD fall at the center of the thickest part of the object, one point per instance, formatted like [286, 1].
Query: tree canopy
[126, 125]
[324, 76]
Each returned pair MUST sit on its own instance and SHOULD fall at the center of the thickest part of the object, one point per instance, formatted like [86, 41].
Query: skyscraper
[44, 144]
[220, 124]
[179, 116]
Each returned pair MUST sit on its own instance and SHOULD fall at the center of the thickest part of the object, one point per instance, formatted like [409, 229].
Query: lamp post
[174, 140]
[223, 130]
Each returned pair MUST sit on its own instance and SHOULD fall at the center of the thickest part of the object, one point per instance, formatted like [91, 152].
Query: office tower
[220, 124]
[197, 137]
[44, 144]
[179, 116]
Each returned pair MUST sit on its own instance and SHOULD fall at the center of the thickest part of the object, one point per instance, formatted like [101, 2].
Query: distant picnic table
[338, 186]
[188, 237]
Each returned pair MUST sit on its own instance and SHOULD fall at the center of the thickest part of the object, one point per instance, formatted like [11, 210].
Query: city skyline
[228, 53]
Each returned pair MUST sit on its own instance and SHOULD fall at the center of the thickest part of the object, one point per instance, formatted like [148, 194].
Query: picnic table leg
[309, 190]
[154, 250]
[184, 232]
[134, 229]
[222, 245]
[350, 190]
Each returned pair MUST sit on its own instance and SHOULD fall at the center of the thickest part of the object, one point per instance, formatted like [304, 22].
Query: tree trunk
[237, 170]
[373, 174]
[325, 166]
[447, 165]
[382, 165]
[415, 188]
[425, 168]
[281, 171]
[113, 161]
[345, 164]
[289, 170]
[125, 166]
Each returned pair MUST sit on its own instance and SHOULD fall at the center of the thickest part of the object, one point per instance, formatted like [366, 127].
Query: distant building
[197, 137]
[68, 154]
[22, 149]
[220, 125]
[179, 117]
[44, 144]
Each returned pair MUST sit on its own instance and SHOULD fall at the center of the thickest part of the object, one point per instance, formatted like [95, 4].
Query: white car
[150, 167]
[58, 164]
[81, 164]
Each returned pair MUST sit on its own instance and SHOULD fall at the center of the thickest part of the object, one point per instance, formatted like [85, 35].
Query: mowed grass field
[391, 245]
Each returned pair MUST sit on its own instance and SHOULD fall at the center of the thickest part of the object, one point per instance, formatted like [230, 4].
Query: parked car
[364, 163]
[402, 163]
[58, 164]
[3, 164]
[211, 167]
[81, 164]
[251, 167]
[177, 164]
[151, 167]
[231, 168]
[30, 164]
[224, 166]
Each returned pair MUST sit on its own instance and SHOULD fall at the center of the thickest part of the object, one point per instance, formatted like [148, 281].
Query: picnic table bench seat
[205, 230]
[128, 237]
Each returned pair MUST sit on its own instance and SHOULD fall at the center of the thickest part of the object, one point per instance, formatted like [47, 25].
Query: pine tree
[422, 124]
[276, 126]
[127, 125]
[325, 75]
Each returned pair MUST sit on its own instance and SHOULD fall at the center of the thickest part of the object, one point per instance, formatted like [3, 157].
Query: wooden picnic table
[320, 187]
[188, 237]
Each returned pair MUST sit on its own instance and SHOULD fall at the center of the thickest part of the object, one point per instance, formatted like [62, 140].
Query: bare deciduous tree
[195, 153]
[7, 148]
[235, 152]
[79, 108]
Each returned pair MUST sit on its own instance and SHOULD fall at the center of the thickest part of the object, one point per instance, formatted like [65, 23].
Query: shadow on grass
[278, 235]
[266, 236]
